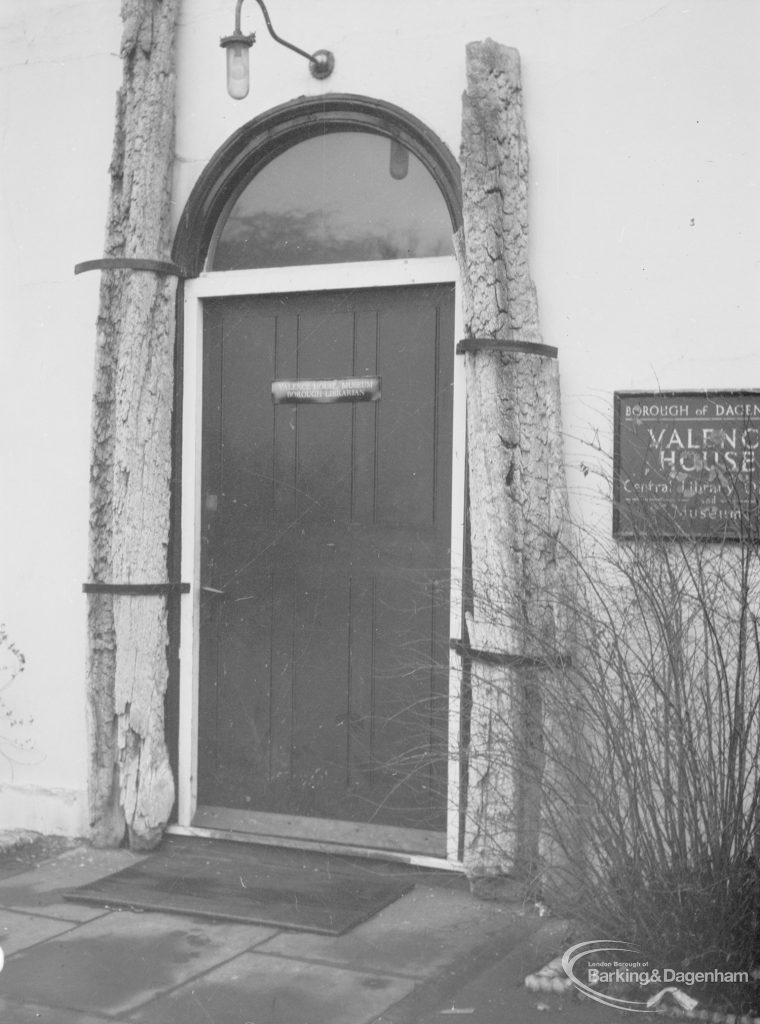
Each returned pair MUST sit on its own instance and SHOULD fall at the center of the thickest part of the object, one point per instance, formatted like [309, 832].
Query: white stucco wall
[59, 70]
[642, 119]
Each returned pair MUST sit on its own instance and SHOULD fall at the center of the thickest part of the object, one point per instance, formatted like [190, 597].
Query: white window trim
[320, 278]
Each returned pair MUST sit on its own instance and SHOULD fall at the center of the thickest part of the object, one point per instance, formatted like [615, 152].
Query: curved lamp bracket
[237, 45]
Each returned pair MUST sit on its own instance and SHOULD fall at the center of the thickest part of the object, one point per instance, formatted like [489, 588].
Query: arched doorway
[319, 432]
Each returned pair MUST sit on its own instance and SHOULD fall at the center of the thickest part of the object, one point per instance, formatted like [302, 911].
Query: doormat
[263, 885]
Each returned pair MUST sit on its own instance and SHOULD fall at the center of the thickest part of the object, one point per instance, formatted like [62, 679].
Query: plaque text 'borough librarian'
[325, 392]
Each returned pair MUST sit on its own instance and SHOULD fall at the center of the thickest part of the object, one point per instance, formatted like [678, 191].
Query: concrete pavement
[436, 955]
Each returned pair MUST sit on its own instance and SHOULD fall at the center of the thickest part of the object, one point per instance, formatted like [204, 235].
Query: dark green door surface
[326, 533]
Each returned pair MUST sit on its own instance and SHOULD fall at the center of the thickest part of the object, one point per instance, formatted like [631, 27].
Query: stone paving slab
[255, 989]
[19, 931]
[537, 1008]
[414, 937]
[40, 888]
[122, 960]
[486, 984]
[499, 995]
[152, 968]
[10, 868]
[29, 1013]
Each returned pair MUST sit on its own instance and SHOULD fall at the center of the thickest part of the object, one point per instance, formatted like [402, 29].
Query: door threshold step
[412, 846]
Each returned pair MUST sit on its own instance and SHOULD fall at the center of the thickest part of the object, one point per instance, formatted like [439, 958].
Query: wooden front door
[325, 556]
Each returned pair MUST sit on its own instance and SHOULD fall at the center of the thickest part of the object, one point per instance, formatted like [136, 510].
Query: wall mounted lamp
[321, 62]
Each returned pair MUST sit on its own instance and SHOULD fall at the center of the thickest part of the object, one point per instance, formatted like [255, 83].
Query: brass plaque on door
[325, 392]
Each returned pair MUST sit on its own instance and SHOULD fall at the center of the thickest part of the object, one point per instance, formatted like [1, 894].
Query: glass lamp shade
[238, 67]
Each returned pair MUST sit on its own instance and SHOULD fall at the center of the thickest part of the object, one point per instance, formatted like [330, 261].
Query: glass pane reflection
[333, 199]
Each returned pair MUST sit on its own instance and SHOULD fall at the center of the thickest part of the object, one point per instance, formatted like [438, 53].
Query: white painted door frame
[328, 277]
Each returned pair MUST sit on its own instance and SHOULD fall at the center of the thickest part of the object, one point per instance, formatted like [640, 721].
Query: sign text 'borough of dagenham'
[687, 464]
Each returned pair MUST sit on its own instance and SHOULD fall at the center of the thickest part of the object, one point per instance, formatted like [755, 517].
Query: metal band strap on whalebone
[511, 345]
[130, 263]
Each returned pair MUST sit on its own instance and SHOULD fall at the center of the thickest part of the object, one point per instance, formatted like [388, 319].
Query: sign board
[324, 392]
[687, 463]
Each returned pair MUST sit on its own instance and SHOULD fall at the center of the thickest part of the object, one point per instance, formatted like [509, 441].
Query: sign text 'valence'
[687, 463]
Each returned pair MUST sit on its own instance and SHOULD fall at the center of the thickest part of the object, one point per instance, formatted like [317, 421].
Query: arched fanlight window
[425, 198]
[339, 196]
